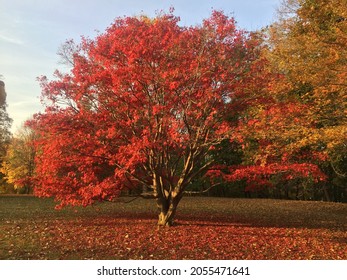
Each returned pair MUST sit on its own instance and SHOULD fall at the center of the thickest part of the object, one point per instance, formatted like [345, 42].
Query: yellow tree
[18, 164]
[308, 46]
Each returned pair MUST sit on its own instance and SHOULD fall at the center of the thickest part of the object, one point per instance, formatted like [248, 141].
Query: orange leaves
[310, 49]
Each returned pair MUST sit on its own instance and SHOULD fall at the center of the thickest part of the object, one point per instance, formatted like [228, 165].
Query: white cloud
[11, 40]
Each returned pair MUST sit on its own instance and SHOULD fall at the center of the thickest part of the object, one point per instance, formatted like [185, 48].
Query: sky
[31, 32]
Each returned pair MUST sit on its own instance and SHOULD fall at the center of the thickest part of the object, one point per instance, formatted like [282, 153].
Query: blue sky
[31, 32]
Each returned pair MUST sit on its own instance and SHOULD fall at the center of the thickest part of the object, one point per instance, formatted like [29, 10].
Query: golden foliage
[308, 45]
[18, 164]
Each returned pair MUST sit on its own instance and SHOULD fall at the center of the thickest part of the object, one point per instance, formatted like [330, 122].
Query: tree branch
[203, 191]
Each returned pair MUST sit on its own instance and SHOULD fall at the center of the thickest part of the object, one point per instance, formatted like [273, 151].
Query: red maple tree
[142, 106]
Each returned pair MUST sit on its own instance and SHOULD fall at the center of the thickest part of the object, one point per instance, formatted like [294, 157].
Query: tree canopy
[148, 102]
[308, 47]
[19, 161]
[143, 105]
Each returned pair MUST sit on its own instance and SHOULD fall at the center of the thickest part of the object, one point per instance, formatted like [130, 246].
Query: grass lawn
[207, 228]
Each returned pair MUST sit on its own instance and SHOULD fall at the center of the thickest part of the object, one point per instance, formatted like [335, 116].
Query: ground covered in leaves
[206, 228]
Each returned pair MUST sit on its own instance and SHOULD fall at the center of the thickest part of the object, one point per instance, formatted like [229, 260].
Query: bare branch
[66, 52]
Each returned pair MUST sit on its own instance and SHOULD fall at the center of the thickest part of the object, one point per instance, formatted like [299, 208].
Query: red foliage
[258, 176]
[142, 100]
[144, 104]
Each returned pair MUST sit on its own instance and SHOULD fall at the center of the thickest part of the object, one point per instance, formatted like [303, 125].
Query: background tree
[308, 47]
[5, 120]
[18, 164]
[269, 130]
[2, 93]
[5, 133]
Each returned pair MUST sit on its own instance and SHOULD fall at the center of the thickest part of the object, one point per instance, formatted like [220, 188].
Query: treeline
[221, 112]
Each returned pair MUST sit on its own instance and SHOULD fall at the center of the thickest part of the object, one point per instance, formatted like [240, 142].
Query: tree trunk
[168, 198]
[167, 208]
[326, 193]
